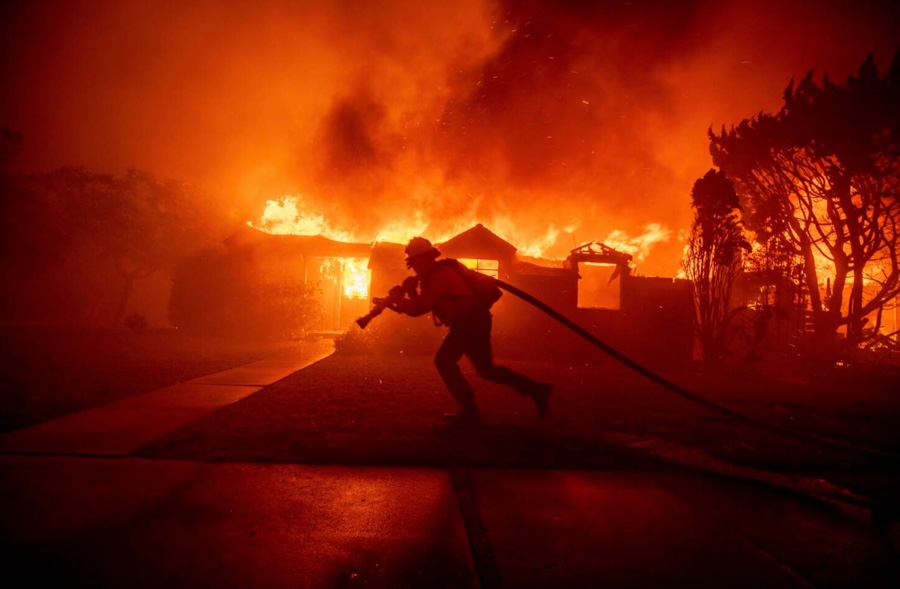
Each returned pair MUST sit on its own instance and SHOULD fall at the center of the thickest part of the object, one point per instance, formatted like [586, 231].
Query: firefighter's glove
[411, 285]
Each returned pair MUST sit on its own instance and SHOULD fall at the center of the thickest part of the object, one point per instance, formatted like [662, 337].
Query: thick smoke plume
[552, 122]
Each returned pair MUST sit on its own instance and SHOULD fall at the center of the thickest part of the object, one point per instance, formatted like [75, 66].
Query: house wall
[653, 327]
[659, 312]
[522, 331]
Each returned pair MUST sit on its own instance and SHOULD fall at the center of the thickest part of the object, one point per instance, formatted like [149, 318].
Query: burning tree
[821, 179]
[712, 260]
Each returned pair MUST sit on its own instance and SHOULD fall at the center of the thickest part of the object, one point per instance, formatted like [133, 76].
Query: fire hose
[681, 391]
[647, 373]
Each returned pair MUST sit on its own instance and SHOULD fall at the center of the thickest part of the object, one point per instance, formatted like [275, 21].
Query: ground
[383, 410]
[343, 474]
[46, 372]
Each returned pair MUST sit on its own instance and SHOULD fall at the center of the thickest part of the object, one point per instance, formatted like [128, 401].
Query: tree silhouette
[821, 178]
[151, 225]
[712, 260]
[127, 226]
[10, 146]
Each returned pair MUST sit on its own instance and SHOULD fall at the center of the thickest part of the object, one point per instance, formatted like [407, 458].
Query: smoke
[528, 116]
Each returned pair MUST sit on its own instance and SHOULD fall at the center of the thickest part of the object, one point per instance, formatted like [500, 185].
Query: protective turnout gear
[471, 336]
[461, 299]
[443, 292]
[410, 285]
[419, 246]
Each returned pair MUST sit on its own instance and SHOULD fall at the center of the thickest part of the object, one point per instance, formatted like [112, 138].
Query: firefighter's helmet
[419, 246]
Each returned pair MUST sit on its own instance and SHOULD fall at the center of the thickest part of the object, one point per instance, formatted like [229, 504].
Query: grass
[386, 410]
[48, 372]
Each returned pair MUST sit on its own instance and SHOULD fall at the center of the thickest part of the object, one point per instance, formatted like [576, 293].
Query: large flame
[290, 215]
[356, 278]
[401, 117]
[351, 275]
[639, 246]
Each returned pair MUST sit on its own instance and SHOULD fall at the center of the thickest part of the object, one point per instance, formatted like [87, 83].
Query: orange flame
[356, 278]
[289, 215]
[639, 246]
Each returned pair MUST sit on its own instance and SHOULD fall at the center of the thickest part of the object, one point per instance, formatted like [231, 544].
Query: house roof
[531, 269]
[477, 242]
[310, 245]
[388, 255]
[599, 253]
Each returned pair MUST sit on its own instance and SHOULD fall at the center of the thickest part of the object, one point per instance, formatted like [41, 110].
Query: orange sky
[524, 115]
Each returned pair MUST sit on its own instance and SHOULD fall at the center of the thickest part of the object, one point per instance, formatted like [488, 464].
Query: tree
[821, 179]
[77, 230]
[713, 260]
[142, 225]
[152, 225]
[10, 146]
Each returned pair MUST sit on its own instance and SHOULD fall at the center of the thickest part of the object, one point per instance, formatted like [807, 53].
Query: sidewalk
[119, 428]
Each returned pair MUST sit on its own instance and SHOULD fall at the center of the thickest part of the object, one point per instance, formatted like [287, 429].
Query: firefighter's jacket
[442, 291]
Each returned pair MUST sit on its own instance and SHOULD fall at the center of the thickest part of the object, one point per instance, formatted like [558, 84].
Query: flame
[356, 278]
[529, 246]
[353, 273]
[874, 271]
[399, 232]
[639, 246]
[290, 215]
[488, 267]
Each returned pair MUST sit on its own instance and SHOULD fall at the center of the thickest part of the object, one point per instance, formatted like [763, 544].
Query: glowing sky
[584, 115]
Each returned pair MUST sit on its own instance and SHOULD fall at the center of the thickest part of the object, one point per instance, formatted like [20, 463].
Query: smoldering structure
[646, 317]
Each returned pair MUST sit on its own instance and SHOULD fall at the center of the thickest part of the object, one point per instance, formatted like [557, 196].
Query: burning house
[338, 269]
[649, 318]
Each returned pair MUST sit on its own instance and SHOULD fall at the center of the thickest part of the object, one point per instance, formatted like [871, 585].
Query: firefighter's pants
[471, 336]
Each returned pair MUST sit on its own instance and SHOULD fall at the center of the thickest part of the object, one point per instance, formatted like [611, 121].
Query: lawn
[386, 410]
[49, 372]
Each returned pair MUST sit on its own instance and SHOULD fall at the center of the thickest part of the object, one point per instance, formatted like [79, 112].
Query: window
[488, 267]
[597, 289]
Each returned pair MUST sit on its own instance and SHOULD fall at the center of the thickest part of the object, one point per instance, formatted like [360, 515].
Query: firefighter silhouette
[461, 299]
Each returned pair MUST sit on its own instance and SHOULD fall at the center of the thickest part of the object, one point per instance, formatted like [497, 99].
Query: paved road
[102, 522]
[77, 509]
[120, 428]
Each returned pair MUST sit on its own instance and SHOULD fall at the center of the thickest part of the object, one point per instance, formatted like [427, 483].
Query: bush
[136, 323]
[391, 334]
[220, 292]
[357, 342]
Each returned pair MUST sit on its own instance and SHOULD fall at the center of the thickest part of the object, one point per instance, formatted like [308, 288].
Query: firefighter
[461, 298]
